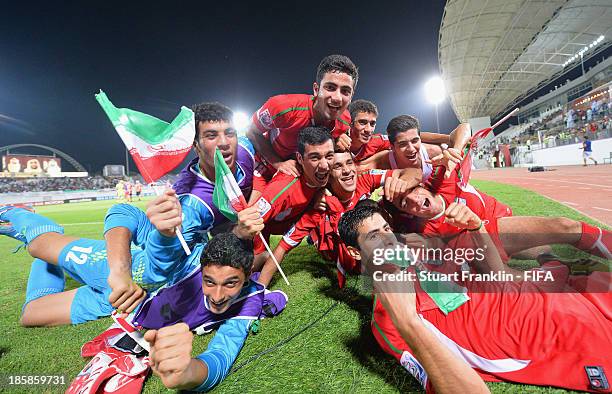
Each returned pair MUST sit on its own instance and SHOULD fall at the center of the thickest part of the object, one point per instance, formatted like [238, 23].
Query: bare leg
[48, 246]
[532, 253]
[519, 233]
[50, 310]
[259, 261]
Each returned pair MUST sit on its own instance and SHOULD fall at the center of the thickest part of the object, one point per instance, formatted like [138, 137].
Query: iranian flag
[227, 196]
[465, 167]
[156, 146]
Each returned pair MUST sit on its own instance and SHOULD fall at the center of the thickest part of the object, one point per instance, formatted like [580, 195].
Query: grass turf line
[338, 354]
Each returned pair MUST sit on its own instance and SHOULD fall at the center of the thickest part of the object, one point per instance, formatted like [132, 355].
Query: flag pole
[502, 120]
[176, 229]
[274, 259]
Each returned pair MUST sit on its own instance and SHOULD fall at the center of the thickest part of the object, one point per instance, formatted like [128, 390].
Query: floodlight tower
[436, 94]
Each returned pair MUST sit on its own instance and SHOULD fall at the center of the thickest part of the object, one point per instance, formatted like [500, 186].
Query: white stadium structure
[495, 54]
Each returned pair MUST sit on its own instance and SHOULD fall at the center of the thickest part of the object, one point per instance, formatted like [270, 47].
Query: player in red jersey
[512, 234]
[409, 151]
[364, 143]
[506, 331]
[276, 124]
[347, 188]
[286, 197]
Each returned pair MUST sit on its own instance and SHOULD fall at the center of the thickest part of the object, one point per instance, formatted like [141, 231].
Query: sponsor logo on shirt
[265, 118]
[263, 206]
[378, 172]
[414, 368]
[460, 200]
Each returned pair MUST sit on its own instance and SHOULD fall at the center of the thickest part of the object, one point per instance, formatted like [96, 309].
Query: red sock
[596, 241]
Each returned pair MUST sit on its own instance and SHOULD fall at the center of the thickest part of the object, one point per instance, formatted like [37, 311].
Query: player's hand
[449, 158]
[319, 202]
[459, 215]
[343, 143]
[165, 213]
[170, 354]
[125, 295]
[395, 188]
[288, 167]
[249, 223]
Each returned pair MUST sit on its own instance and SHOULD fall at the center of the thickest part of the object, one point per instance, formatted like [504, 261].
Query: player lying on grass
[506, 331]
[156, 264]
[513, 235]
[347, 186]
[409, 151]
[208, 289]
[195, 185]
[275, 127]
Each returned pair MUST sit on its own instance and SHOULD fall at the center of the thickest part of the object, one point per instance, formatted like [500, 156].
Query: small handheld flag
[156, 146]
[465, 168]
[228, 198]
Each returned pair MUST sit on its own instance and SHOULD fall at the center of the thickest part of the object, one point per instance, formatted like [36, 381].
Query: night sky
[155, 58]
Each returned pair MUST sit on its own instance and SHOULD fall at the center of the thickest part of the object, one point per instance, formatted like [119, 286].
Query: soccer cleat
[6, 228]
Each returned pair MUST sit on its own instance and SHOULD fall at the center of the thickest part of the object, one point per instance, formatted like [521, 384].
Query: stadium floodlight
[241, 121]
[582, 51]
[435, 93]
[435, 90]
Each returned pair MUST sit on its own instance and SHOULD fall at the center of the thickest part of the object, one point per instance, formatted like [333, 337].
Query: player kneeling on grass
[505, 331]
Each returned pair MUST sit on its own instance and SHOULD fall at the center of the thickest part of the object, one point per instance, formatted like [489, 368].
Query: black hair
[313, 135]
[211, 112]
[402, 123]
[360, 105]
[337, 63]
[226, 249]
[352, 219]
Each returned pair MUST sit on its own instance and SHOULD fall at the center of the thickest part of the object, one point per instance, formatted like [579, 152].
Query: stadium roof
[494, 53]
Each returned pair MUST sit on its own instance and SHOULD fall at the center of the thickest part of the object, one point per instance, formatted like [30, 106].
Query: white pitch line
[569, 203]
[603, 209]
[78, 224]
[557, 180]
[584, 188]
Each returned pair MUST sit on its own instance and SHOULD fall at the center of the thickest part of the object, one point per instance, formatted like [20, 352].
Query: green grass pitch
[336, 354]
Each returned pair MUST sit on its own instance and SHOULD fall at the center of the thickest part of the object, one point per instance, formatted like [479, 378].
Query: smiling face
[221, 284]
[211, 135]
[332, 96]
[316, 163]
[407, 148]
[422, 203]
[374, 233]
[343, 177]
[363, 126]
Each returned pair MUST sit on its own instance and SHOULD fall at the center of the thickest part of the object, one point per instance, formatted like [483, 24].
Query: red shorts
[516, 335]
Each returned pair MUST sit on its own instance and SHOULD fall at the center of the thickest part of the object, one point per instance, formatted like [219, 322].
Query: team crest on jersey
[281, 216]
[263, 206]
[460, 200]
[414, 367]
[265, 118]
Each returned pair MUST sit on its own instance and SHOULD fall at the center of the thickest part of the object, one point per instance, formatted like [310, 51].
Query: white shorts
[586, 154]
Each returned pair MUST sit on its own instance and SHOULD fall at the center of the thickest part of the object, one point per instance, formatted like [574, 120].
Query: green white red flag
[156, 146]
[227, 196]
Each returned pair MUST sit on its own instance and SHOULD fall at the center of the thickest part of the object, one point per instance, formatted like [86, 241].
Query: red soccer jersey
[376, 144]
[282, 117]
[323, 226]
[284, 199]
